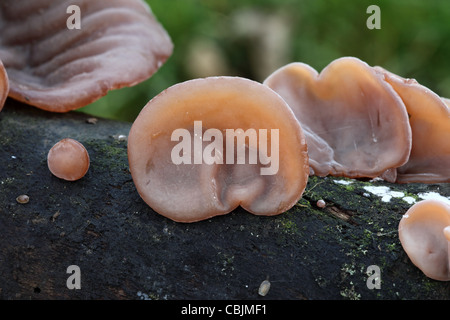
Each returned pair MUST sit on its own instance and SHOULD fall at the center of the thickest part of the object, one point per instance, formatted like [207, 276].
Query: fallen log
[348, 249]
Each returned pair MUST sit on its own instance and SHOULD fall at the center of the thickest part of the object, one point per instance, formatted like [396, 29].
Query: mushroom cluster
[361, 121]
[354, 121]
[203, 147]
[350, 120]
[56, 68]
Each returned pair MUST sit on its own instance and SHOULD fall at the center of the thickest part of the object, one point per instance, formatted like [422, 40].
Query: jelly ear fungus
[54, 68]
[186, 167]
[355, 124]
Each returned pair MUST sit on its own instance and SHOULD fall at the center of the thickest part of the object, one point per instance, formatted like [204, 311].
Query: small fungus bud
[23, 198]
[68, 159]
[321, 203]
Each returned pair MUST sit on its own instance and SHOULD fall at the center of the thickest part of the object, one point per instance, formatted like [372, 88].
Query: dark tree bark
[127, 251]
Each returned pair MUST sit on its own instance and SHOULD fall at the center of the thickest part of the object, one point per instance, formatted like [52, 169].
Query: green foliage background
[251, 38]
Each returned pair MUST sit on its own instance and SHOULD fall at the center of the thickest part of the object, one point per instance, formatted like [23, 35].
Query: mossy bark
[127, 251]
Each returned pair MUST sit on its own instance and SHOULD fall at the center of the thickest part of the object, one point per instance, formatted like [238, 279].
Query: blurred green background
[252, 39]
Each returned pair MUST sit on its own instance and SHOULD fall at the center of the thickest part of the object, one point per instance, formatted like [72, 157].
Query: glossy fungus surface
[424, 233]
[203, 147]
[50, 66]
[68, 159]
[355, 124]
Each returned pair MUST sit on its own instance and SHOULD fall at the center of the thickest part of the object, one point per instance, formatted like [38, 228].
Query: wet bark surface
[124, 250]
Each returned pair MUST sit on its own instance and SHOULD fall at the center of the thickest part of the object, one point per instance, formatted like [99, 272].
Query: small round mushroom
[355, 124]
[68, 159]
[429, 117]
[23, 199]
[321, 203]
[424, 233]
[52, 67]
[4, 85]
[189, 150]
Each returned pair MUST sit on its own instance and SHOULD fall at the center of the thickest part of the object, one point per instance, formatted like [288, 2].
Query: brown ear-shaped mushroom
[355, 124]
[424, 233]
[429, 117]
[4, 85]
[59, 69]
[203, 147]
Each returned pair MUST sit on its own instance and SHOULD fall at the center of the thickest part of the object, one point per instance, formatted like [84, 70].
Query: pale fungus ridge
[355, 124]
[424, 233]
[58, 69]
[203, 147]
[429, 117]
[68, 160]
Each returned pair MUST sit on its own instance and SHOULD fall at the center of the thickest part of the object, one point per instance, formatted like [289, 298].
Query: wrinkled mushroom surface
[429, 117]
[4, 85]
[59, 69]
[197, 189]
[355, 124]
[424, 233]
